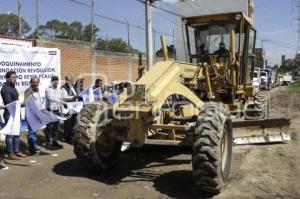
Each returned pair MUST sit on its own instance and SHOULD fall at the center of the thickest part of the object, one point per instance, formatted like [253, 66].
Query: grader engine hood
[164, 80]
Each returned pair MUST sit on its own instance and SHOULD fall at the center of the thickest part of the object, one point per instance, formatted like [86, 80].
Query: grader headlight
[238, 17]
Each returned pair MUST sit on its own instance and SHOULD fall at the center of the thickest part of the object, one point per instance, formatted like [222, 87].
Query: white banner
[87, 95]
[73, 108]
[28, 62]
[37, 118]
[13, 125]
[98, 94]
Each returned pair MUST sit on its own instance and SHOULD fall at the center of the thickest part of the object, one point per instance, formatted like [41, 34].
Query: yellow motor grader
[208, 104]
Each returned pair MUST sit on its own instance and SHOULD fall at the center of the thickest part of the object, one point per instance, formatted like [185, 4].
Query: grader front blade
[261, 131]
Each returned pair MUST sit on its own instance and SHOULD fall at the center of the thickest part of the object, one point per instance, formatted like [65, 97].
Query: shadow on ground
[141, 165]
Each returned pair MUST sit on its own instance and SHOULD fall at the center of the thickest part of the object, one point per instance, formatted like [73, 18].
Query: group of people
[56, 97]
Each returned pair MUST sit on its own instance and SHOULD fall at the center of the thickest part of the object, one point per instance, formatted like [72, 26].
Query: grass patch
[295, 86]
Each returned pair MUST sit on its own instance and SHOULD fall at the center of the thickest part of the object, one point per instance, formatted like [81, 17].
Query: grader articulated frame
[199, 104]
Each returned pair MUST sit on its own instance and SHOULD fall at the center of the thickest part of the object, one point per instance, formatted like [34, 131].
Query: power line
[117, 20]
[110, 19]
[131, 25]
[277, 41]
[81, 3]
[164, 10]
[282, 46]
[278, 44]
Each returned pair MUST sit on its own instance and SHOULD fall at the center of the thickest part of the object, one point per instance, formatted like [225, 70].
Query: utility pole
[94, 70]
[262, 47]
[37, 17]
[174, 50]
[20, 21]
[128, 34]
[149, 42]
[262, 42]
[154, 44]
[129, 50]
[92, 22]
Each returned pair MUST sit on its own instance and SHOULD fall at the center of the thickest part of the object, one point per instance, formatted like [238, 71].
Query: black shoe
[32, 153]
[57, 145]
[50, 147]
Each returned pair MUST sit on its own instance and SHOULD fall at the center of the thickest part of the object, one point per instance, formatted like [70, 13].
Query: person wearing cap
[222, 49]
[69, 95]
[10, 94]
[54, 101]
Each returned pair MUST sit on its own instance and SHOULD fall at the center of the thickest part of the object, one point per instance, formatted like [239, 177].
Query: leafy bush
[295, 86]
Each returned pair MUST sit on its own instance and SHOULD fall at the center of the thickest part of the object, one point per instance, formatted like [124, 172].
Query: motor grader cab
[226, 43]
[180, 104]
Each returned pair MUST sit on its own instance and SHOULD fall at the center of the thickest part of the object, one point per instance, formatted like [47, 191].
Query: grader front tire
[212, 149]
[93, 157]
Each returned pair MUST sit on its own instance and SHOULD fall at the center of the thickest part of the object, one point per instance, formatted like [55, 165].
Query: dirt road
[258, 171]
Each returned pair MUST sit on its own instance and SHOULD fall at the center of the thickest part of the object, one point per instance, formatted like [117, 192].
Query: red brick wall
[115, 67]
[77, 59]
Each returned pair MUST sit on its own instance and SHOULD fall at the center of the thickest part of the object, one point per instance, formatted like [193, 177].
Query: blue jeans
[12, 141]
[31, 139]
[12, 144]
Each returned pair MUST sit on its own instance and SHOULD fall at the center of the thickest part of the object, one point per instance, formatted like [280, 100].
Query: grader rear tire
[93, 149]
[212, 149]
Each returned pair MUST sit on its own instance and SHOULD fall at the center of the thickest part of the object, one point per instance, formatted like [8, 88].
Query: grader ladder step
[260, 131]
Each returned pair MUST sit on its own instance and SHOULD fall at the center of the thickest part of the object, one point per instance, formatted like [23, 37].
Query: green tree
[171, 51]
[290, 65]
[115, 45]
[76, 30]
[9, 25]
[60, 29]
[287, 66]
[56, 28]
[87, 32]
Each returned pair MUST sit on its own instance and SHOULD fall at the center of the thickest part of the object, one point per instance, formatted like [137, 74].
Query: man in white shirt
[54, 101]
[69, 95]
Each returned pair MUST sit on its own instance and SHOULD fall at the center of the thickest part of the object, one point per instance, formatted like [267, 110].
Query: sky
[275, 20]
